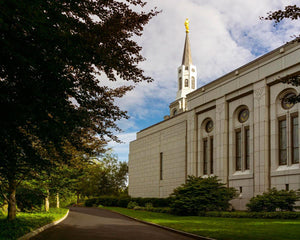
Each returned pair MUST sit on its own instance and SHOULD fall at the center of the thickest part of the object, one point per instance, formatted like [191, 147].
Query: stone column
[261, 137]
[221, 136]
[192, 144]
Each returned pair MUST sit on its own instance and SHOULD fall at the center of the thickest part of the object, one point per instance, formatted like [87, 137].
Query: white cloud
[224, 35]
[122, 148]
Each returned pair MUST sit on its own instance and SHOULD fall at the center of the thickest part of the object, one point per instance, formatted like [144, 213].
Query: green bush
[29, 199]
[273, 200]
[148, 205]
[201, 194]
[131, 205]
[153, 209]
[111, 201]
[156, 202]
[238, 214]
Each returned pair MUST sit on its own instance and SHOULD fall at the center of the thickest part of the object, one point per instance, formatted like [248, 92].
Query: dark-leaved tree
[51, 95]
[291, 12]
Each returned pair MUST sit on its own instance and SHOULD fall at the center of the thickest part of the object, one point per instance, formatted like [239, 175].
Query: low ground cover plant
[223, 228]
[26, 222]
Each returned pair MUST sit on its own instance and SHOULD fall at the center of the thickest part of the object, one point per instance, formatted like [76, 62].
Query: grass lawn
[222, 228]
[27, 222]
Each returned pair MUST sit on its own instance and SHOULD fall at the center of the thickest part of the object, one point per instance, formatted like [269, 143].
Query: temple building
[239, 127]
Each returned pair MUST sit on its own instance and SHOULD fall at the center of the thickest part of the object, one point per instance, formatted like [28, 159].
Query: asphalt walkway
[94, 223]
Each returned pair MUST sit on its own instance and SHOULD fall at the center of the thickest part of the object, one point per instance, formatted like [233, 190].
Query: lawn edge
[164, 227]
[43, 228]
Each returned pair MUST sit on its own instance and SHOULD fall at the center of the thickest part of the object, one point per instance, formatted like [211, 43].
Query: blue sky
[224, 35]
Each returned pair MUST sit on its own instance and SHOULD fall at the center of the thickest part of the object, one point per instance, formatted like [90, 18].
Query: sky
[224, 35]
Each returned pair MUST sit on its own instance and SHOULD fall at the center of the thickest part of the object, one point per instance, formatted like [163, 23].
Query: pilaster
[221, 136]
[261, 137]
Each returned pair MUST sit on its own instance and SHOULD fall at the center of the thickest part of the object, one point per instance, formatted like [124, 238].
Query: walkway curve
[95, 223]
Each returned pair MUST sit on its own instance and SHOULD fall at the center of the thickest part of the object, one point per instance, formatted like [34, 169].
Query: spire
[187, 57]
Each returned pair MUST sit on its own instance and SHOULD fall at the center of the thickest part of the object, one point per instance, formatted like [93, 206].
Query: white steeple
[187, 72]
[187, 77]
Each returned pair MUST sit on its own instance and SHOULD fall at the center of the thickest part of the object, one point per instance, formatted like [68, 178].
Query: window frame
[205, 155]
[161, 166]
[240, 157]
[293, 116]
[280, 163]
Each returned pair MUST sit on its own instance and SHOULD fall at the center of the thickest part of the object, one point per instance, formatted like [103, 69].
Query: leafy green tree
[201, 194]
[274, 199]
[291, 12]
[52, 54]
[106, 176]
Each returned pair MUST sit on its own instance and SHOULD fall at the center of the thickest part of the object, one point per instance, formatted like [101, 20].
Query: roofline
[241, 69]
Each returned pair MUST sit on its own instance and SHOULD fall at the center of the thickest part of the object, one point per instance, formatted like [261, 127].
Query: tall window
[238, 149]
[211, 155]
[247, 148]
[242, 140]
[208, 147]
[186, 82]
[282, 143]
[161, 166]
[295, 142]
[180, 83]
[205, 160]
[193, 82]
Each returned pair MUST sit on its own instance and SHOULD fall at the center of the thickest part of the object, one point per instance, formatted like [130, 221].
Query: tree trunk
[57, 200]
[12, 210]
[47, 201]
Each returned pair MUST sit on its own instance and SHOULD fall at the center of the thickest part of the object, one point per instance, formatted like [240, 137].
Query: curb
[41, 229]
[191, 235]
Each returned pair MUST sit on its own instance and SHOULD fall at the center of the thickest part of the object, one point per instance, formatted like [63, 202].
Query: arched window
[288, 130]
[193, 82]
[180, 83]
[186, 83]
[242, 140]
[174, 112]
[208, 147]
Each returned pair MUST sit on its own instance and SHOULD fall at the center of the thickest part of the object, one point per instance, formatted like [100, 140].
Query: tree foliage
[51, 95]
[105, 176]
[201, 194]
[272, 200]
[291, 12]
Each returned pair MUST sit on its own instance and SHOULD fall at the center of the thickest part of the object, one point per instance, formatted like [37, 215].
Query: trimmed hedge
[272, 215]
[152, 209]
[123, 201]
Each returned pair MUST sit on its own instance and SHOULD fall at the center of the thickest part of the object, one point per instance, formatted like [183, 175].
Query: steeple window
[180, 83]
[193, 82]
[186, 83]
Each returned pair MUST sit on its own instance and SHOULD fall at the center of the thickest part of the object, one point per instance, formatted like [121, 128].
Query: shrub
[29, 199]
[272, 200]
[238, 214]
[122, 201]
[201, 194]
[138, 208]
[131, 205]
[148, 205]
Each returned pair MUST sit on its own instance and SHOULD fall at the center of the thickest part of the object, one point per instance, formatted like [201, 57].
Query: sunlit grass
[27, 222]
[223, 228]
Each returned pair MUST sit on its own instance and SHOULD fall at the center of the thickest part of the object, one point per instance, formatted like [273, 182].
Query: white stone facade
[243, 155]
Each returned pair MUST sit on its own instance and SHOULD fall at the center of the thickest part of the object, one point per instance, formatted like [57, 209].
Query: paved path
[95, 223]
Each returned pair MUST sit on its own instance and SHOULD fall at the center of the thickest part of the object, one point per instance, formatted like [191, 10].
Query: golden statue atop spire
[186, 24]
